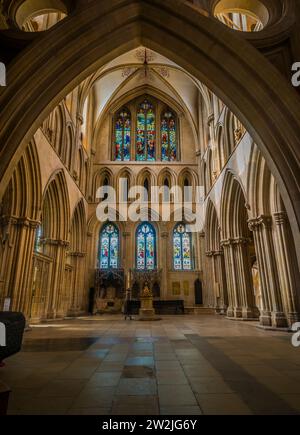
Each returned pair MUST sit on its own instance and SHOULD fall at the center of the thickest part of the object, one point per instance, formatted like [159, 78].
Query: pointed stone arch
[231, 69]
[56, 208]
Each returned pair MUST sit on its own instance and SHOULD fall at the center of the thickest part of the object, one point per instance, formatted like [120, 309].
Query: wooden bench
[4, 397]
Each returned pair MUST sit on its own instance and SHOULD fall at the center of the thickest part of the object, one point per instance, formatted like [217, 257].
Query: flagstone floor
[183, 365]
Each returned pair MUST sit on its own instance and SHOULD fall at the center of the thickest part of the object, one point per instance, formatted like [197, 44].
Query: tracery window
[109, 247]
[150, 128]
[168, 137]
[145, 247]
[182, 248]
[123, 135]
[146, 132]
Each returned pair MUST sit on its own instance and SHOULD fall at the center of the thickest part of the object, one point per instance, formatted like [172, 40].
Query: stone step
[199, 310]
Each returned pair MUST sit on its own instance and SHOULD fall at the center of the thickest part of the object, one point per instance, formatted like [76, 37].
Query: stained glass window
[146, 247]
[123, 135]
[109, 247]
[145, 140]
[182, 248]
[168, 137]
[38, 248]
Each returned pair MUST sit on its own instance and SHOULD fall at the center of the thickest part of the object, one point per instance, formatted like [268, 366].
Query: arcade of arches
[144, 118]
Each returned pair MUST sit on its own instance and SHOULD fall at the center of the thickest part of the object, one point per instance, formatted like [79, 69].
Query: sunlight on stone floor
[186, 365]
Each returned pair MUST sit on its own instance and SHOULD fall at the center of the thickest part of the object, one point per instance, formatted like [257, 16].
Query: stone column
[21, 238]
[243, 277]
[57, 251]
[210, 283]
[203, 269]
[234, 304]
[77, 284]
[272, 314]
[287, 267]
[266, 313]
[220, 279]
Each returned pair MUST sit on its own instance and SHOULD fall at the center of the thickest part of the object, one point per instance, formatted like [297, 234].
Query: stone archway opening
[231, 69]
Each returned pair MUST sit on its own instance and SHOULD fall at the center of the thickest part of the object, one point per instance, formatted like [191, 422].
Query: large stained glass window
[182, 248]
[146, 247]
[168, 137]
[109, 247]
[123, 135]
[145, 139]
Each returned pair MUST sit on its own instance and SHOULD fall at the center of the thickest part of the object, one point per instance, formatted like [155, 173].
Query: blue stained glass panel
[146, 133]
[182, 248]
[109, 247]
[146, 247]
[123, 136]
[169, 137]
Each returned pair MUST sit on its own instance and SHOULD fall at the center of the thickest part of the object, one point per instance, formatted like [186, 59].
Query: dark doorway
[198, 292]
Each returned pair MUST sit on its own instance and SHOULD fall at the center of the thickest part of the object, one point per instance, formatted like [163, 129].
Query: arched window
[123, 135]
[147, 192]
[168, 137]
[145, 139]
[109, 247]
[187, 190]
[38, 247]
[145, 247]
[182, 248]
[166, 194]
[105, 184]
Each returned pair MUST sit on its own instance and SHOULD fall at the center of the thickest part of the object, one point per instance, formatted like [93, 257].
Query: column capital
[77, 254]
[218, 253]
[56, 242]
[79, 117]
[19, 221]
[280, 218]
[235, 241]
[209, 254]
[210, 119]
[263, 220]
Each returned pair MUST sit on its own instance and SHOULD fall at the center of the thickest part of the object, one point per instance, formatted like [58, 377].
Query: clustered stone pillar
[57, 250]
[287, 268]
[217, 281]
[19, 248]
[77, 284]
[220, 280]
[272, 314]
[241, 301]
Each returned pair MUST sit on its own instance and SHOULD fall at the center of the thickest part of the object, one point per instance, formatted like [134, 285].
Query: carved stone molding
[257, 223]
[56, 242]
[280, 218]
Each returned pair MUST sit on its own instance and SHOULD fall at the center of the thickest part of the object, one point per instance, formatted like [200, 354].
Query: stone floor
[183, 365]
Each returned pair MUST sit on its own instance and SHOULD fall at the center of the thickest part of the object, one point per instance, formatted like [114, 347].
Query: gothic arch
[56, 208]
[69, 146]
[125, 173]
[99, 179]
[235, 66]
[212, 228]
[58, 129]
[258, 184]
[23, 195]
[78, 229]
[234, 214]
[168, 174]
